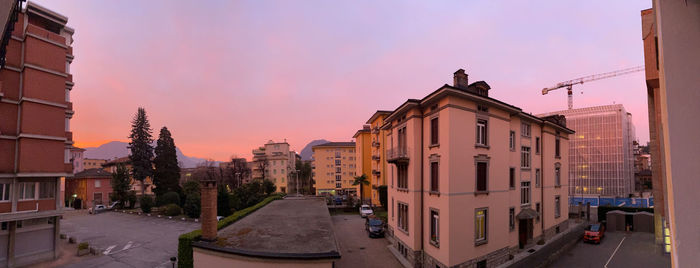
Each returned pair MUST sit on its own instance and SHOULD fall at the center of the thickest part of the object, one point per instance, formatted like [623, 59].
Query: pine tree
[141, 149]
[120, 184]
[166, 176]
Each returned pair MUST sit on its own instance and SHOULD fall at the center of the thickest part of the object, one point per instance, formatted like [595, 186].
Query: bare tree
[235, 172]
[262, 164]
[208, 171]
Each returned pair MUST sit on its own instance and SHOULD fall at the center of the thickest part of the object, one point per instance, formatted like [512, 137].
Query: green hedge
[184, 247]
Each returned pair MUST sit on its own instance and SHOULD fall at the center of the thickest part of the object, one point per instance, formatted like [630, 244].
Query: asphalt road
[126, 240]
[637, 250]
[356, 248]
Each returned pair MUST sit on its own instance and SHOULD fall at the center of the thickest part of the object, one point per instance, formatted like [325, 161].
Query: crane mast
[570, 83]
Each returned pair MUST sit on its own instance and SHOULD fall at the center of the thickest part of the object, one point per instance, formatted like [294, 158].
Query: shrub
[169, 198]
[132, 199]
[190, 187]
[146, 203]
[172, 210]
[193, 205]
[269, 187]
[184, 247]
[83, 246]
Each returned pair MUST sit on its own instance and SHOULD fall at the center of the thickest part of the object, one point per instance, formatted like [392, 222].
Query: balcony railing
[375, 144]
[375, 157]
[376, 172]
[397, 155]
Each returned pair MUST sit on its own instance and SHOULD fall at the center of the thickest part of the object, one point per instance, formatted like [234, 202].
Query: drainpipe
[542, 177]
[422, 226]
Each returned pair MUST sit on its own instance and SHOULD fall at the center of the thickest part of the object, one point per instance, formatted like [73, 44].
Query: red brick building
[35, 138]
[92, 186]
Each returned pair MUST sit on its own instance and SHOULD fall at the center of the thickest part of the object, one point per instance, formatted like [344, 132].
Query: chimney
[461, 79]
[208, 210]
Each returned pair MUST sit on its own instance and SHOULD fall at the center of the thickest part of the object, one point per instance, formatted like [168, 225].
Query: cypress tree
[166, 176]
[141, 149]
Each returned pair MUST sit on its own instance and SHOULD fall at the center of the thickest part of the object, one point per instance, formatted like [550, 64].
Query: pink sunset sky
[226, 77]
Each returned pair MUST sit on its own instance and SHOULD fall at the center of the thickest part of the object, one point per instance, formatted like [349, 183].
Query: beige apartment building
[473, 179]
[334, 168]
[276, 162]
[671, 38]
[370, 154]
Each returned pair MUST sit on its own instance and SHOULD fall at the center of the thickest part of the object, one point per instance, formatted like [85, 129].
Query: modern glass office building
[601, 160]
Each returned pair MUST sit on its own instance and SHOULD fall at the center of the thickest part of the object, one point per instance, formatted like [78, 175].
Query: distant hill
[114, 149]
[306, 152]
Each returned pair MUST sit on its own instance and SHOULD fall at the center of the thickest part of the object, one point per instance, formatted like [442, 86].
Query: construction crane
[569, 84]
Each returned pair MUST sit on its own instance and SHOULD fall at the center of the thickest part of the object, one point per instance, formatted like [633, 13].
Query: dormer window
[482, 108]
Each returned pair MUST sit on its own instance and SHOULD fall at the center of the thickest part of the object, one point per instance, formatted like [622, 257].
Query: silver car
[365, 210]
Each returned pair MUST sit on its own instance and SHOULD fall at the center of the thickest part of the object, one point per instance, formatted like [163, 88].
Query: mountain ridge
[116, 149]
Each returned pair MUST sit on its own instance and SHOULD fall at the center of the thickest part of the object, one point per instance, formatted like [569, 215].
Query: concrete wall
[209, 258]
[679, 64]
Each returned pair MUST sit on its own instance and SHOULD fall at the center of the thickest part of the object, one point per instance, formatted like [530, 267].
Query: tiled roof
[336, 144]
[93, 173]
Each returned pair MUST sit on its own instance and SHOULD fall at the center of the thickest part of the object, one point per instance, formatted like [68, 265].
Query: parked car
[365, 211]
[594, 233]
[374, 226]
[97, 209]
[338, 201]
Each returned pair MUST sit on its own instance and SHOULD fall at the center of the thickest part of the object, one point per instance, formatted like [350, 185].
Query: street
[637, 250]
[356, 248]
[126, 240]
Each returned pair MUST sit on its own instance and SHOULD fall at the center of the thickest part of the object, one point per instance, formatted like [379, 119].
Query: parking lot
[618, 249]
[356, 248]
[126, 240]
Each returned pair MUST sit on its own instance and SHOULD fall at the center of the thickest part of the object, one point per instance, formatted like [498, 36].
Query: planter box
[83, 252]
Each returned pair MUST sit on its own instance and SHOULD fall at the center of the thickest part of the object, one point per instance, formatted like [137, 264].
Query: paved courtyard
[126, 240]
[356, 248]
[637, 250]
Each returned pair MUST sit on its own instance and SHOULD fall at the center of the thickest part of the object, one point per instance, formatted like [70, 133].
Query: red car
[594, 233]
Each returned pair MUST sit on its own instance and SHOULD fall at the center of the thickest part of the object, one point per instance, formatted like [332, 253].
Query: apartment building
[671, 38]
[473, 179]
[77, 159]
[35, 137]
[89, 163]
[378, 162]
[91, 186]
[135, 185]
[334, 169]
[363, 164]
[601, 159]
[276, 162]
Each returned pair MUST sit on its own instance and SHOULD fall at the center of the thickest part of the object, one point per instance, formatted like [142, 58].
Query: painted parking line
[613, 254]
[106, 252]
[128, 245]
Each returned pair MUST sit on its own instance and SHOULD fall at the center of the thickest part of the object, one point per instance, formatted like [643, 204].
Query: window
[512, 140]
[537, 177]
[338, 185]
[482, 108]
[556, 146]
[434, 227]
[338, 177]
[481, 132]
[274, 171]
[5, 192]
[434, 131]
[481, 176]
[434, 177]
[27, 190]
[525, 193]
[337, 162]
[480, 225]
[392, 208]
[481, 264]
[337, 154]
[338, 170]
[402, 172]
[511, 217]
[537, 145]
[525, 157]
[98, 184]
[557, 206]
[512, 178]
[557, 174]
[525, 130]
[537, 208]
[403, 217]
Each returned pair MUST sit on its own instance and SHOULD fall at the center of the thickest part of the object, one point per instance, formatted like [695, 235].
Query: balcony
[376, 172]
[376, 157]
[375, 130]
[397, 155]
[375, 144]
